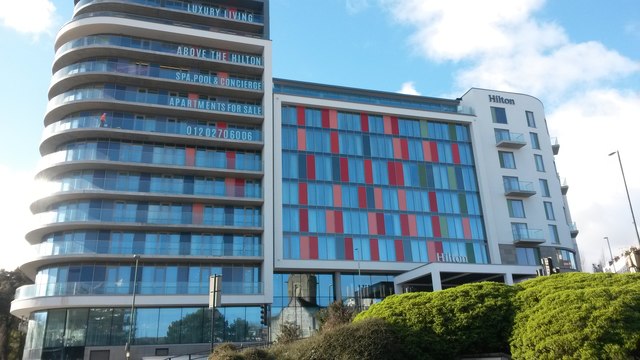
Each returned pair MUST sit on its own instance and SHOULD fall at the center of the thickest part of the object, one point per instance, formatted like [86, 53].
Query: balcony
[555, 146]
[519, 188]
[573, 228]
[564, 188]
[528, 237]
[510, 140]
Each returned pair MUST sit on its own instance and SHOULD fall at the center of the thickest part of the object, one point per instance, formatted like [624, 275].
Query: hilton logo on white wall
[501, 100]
[440, 257]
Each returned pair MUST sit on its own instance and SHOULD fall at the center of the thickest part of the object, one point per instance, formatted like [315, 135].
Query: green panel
[452, 132]
[451, 172]
[424, 130]
[471, 256]
[422, 175]
[444, 227]
[462, 198]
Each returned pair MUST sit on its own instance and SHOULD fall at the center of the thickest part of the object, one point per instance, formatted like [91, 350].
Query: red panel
[197, 213]
[399, 174]
[231, 160]
[394, 125]
[311, 167]
[466, 228]
[431, 250]
[344, 169]
[413, 226]
[380, 221]
[455, 151]
[399, 250]
[439, 249]
[375, 253]
[313, 247]
[193, 99]
[362, 197]
[435, 224]
[329, 219]
[300, 110]
[223, 78]
[391, 169]
[404, 144]
[404, 224]
[348, 248]
[426, 151]
[190, 156]
[302, 194]
[433, 202]
[364, 122]
[229, 186]
[373, 226]
[221, 125]
[397, 148]
[377, 196]
[387, 125]
[239, 187]
[368, 172]
[304, 220]
[304, 247]
[302, 139]
[402, 200]
[337, 195]
[335, 144]
[333, 119]
[325, 118]
[434, 152]
[339, 222]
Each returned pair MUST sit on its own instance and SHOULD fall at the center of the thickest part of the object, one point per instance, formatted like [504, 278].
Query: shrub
[289, 332]
[225, 351]
[578, 316]
[336, 314]
[468, 319]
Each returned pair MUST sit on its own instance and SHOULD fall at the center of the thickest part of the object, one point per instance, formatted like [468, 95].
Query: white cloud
[589, 127]
[33, 17]
[356, 6]
[408, 88]
[16, 194]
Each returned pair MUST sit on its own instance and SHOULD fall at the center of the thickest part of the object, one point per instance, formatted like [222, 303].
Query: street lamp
[635, 226]
[613, 263]
[127, 347]
[359, 298]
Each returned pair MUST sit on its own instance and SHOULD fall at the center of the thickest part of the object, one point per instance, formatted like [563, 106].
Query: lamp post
[127, 347]
[359, 298]
[633, 217]
[613, 263]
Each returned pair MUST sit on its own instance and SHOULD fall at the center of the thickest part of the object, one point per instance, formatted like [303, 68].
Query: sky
[581, 58]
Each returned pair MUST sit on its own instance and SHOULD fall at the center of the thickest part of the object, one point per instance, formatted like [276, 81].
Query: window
[507, 160]
[535, 143]
[539, 162]
[553, 234]
[527, 256]
[510, 183]
[567, 259]
[520, 231]
[499, 115]
[502, 134]
[544, 188]
[548, 210]
[531, 121]
[516, 208]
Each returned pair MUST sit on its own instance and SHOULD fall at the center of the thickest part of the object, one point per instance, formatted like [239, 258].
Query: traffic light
[264, 314]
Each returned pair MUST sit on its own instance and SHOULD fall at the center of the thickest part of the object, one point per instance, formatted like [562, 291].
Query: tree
[469, 319]
[578, 316]
[11, 339]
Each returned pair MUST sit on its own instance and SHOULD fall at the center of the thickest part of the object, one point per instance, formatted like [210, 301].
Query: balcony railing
[519, 188]
[510, 140]
[528, 236]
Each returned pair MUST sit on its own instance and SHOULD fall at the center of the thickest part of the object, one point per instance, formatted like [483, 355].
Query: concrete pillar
[508, 278]
[437, 282]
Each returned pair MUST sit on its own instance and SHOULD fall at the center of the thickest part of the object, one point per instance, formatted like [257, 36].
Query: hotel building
[170, 155]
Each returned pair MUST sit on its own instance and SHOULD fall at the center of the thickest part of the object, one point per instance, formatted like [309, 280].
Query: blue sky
[580, 57]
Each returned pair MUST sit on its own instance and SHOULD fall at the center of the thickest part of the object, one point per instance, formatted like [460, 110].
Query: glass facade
[371, 187]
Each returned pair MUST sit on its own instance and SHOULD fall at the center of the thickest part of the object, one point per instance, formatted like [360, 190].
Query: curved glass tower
[154, 148]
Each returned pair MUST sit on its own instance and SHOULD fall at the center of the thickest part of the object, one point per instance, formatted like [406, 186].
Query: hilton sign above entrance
[443, 257]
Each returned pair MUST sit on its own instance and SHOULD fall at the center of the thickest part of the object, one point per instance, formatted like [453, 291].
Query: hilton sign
[501, 100]
[442, 257]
